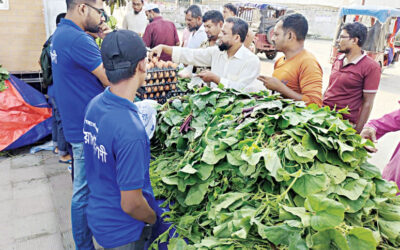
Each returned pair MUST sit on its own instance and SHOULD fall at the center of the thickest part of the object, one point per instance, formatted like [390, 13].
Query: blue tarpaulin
[25, 115]
[381, 13]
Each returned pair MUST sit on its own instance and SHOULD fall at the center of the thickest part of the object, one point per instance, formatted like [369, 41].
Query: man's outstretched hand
[369, 133]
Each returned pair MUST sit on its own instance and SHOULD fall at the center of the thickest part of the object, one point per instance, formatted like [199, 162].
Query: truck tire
[269, 31]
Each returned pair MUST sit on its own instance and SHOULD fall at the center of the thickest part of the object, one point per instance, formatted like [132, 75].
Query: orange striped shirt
[302, 74]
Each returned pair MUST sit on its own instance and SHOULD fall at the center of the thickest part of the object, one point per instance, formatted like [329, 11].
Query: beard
[224, 46]
[346, 51]
[212, 37]
[195, 28]
[136, 12]
[92, 27]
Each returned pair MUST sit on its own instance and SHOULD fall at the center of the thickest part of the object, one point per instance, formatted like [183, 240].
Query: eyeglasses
[343, 37]
[99, 11]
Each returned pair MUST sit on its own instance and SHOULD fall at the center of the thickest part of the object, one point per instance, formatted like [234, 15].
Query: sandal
[66, 162]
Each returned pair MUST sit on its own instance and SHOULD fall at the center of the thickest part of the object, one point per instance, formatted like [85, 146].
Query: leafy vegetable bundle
[4, 75]
[256, 171]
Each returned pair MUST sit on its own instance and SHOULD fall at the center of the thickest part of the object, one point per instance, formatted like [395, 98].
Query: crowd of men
[94, 91]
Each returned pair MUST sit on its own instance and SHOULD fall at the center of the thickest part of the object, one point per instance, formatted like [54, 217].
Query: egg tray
[168, 80]
[154, 88]
[156, 73]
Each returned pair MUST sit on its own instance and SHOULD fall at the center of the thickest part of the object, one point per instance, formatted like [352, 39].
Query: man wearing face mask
[355, 77]
[231, 63]
[159, 30]
[297, 75]
[79, 76]
[136, 19]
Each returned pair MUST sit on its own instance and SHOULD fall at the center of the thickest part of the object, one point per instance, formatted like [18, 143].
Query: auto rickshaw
[261, 19]
[382, 23]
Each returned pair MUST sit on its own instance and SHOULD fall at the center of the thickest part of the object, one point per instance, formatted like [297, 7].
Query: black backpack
[45, 64]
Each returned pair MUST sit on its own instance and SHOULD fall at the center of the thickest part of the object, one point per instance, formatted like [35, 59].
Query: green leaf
[211, 157]
[225, 200]
[177, 104]
[188, 169]
[199, 124]
[177, 244]
[391, 229]
[229, 141]
[277, 234]
[301, 213]
[272, 163]
[204, 171]
[247, 170]
[329, 239]
[337, 175]
[234, 159]
[310, 184]
[386, 188]
[208, 242]
[351, 188]
[251, 155]
[309, 143]
[297, 243]
[361, 238]
[302, 155]
[196, 194]
[370, 171]
[295, 118]
[170, 180]
[200, 102]
[327, 213]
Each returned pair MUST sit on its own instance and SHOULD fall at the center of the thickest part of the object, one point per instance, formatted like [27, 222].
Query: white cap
[150, 6]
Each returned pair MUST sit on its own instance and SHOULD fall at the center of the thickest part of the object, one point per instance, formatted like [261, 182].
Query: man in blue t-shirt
[78, 75]
[121, 208]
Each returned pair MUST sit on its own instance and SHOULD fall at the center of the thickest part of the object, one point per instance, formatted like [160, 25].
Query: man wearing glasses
[79, 76]
[136, 20]
[355, 77]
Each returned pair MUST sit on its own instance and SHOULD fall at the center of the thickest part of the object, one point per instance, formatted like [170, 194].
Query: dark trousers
[57, 129]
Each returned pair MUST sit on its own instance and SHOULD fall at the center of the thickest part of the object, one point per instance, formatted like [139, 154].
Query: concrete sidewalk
[35, 199]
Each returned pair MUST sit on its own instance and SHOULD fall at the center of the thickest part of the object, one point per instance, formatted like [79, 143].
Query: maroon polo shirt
[348, 83]
[161, 31]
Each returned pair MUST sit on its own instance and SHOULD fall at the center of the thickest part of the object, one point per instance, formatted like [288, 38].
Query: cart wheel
[270, 55]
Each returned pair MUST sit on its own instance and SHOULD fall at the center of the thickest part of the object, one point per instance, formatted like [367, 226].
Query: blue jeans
[80, 229]
[57, 130]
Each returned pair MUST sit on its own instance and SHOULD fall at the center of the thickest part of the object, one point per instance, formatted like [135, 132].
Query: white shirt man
[197, 38]
[238, 72]
[232, 64]
[136, 19]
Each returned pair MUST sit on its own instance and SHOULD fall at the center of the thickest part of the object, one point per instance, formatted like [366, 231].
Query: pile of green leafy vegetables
[255, 171]
[4, 75]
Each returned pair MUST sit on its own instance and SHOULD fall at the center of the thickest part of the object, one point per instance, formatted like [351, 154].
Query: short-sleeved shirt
[117, 158]
[302, 74]
[348, 83]
[74, 55]
[161, 31]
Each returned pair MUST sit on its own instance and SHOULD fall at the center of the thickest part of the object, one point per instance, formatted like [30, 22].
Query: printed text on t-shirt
[91, 140]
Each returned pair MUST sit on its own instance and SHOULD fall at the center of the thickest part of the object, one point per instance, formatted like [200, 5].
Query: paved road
[386, 99]
[35, 190]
